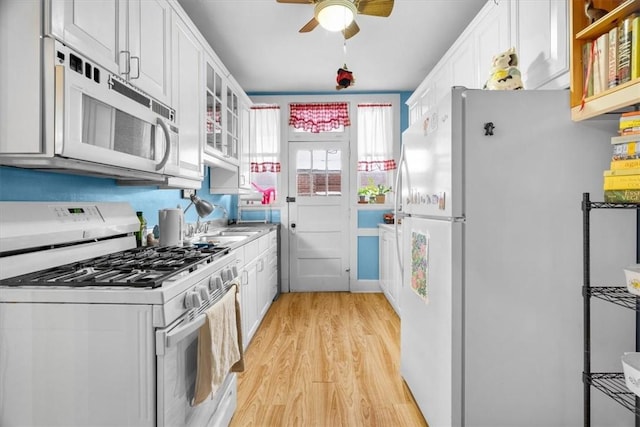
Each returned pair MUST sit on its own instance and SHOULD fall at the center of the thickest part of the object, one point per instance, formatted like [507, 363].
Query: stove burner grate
[139, 268]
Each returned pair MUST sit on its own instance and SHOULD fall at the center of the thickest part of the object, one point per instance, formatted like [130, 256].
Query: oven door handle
[168, 339]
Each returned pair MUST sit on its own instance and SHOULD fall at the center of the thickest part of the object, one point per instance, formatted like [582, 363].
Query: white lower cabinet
[267, 271]
[258, 270]
[389, 271]
[273, 272]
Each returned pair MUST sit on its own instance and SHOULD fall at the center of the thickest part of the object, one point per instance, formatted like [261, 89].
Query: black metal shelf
[618, 295]
[612, 384]
[606, 205]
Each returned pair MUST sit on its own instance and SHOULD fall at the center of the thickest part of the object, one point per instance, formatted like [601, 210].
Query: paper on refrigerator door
[420, 264]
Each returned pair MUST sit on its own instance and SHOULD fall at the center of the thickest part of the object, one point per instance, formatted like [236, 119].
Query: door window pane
[319, 173]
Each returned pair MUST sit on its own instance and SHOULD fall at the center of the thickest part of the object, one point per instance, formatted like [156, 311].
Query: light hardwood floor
[327, 360]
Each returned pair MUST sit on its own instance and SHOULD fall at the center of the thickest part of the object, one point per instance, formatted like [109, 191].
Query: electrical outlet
[187, 193]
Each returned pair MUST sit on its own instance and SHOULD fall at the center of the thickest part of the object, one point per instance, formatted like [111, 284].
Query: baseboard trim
[365, 286]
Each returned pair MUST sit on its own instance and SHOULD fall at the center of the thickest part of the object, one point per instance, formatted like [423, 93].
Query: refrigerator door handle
[401, 163]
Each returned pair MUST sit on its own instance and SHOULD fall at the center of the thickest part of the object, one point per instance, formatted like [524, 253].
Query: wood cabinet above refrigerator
[612, 99]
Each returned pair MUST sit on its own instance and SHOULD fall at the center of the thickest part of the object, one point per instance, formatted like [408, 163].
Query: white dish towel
[219, 345]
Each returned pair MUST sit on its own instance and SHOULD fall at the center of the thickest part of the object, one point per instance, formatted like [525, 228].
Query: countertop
[390, 227]
[218, 233]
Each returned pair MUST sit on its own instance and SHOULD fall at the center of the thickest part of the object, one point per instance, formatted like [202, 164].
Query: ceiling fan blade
[351, 30]
[375, 7]
[309, 26]
[296, 1]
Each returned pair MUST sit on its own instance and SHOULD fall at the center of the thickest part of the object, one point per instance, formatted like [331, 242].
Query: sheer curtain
[265, 140]
[375, 137]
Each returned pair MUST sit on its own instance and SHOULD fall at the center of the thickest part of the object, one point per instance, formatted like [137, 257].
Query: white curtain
[375, 137]
[265, 140]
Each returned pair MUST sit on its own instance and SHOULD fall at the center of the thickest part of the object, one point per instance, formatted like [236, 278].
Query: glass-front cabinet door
[214, 110]
[222, 122]
[233, 124]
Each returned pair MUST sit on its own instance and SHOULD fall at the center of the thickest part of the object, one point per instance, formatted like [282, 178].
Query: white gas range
[94, 331]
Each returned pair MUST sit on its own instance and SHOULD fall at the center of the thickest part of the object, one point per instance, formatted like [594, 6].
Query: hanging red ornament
[345, 78]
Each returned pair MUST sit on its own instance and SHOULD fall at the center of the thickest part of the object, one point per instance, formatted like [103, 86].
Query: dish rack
[252, 202]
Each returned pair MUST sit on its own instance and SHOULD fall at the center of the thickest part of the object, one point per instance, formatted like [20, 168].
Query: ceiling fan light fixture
[335, 15]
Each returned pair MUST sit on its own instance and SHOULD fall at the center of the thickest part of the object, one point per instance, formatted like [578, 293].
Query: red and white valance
[265, 167]
[319, 117]
[376, 165]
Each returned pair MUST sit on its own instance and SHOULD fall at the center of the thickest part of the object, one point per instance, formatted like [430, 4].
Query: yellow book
[635, 48]
[631, 164]
[622, 196]
[622, 182]
[619, 172]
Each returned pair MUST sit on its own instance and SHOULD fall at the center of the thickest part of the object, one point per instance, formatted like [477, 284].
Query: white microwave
[99, 117]
[95, 122]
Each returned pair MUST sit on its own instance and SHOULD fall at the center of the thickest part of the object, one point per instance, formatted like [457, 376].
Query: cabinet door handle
[137, 58]
[127, 62]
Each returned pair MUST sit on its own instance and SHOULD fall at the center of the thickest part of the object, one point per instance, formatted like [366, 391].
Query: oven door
[177, 355]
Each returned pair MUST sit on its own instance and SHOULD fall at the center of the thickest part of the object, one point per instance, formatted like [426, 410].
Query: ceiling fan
[339, 15]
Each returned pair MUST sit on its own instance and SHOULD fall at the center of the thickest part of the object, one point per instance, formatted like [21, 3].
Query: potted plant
[381, 192]
[367, 193]
[363, 195]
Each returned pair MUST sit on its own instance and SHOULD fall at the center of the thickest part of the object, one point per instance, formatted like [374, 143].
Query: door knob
[293, 225]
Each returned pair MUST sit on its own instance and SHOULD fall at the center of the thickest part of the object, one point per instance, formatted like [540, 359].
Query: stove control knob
[234, 272]
[215, 283]
[204, 292]
[225, 275]
[192, 300]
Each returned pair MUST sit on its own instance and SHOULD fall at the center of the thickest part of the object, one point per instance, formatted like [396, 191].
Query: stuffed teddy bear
[504, 72]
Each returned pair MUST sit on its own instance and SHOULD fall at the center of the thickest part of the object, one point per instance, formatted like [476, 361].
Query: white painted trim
[368, 232]
[362, 286]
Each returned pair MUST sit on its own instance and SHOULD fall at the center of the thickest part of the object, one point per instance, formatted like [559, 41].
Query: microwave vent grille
[129, 92]
[163, 110]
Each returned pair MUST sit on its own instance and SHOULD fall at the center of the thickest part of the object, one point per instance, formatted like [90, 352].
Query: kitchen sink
[238, 233]
[223, 239]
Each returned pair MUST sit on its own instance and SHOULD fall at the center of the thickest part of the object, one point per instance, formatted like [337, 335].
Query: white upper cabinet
[539, 31]
[542, 36]
[467, 63]
[92, 27]
[188, 99]
[222, 125]
[245, 150]
[462, 65]
[148, 46]
[490, 35]
[129, 38]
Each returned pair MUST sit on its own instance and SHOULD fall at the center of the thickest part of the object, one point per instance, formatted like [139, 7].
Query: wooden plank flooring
[328, 360]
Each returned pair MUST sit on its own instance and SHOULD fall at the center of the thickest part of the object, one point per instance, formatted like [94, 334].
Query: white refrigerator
[491, 303]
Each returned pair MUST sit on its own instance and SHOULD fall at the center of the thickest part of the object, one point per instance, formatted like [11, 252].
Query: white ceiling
[258, 41]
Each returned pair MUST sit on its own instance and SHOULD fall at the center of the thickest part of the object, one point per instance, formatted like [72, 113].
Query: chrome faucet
[225, 214]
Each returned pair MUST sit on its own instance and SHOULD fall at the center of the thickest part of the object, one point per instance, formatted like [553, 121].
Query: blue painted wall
[368, 256]
[18, 184]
